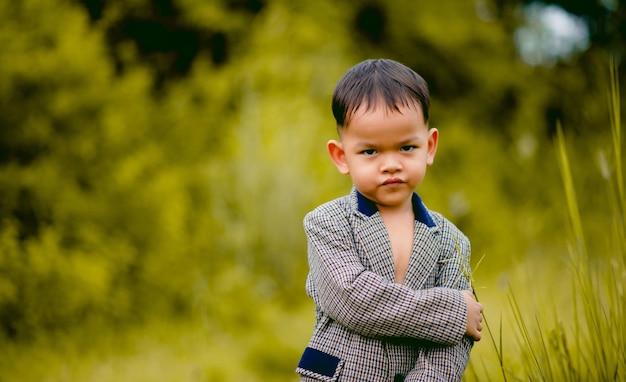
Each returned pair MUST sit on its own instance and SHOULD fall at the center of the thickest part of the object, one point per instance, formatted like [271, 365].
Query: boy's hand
[474, 316]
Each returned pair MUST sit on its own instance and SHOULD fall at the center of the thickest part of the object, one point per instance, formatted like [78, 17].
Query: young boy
[392, 302]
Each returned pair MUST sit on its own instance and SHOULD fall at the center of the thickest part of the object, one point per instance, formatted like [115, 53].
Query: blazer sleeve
[442, 363]
[367, 303]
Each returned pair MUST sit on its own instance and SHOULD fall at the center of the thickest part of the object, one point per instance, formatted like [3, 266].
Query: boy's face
[386, 153]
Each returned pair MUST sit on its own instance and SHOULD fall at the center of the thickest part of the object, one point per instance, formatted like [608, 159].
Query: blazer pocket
[319, 365]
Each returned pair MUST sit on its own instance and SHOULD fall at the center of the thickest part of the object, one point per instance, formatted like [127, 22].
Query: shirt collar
[369, 208]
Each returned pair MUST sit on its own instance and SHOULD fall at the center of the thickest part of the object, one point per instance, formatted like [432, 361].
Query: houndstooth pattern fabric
[369, 328]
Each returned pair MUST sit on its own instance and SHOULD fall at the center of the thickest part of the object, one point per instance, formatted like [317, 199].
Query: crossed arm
[371, 305]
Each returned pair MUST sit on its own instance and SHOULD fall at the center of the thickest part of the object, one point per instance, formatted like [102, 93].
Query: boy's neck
[399, 222]
[420, 213]
[403, 210]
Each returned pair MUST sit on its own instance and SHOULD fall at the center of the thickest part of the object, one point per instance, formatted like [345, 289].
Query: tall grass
[587, 341]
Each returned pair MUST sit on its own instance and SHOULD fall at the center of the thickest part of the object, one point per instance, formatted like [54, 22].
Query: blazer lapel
[426, 247]
[374, 246]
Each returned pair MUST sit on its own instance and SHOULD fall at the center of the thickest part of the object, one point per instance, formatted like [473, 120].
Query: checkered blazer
[369, 328]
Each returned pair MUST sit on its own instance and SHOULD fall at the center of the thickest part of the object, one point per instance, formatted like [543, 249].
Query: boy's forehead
[378, 120]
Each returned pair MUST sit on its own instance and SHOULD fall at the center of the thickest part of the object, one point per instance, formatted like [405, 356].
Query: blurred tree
[166, 34]
[102, 185]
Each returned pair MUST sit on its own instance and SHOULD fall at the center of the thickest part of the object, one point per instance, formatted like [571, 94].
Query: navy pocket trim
[319, 362]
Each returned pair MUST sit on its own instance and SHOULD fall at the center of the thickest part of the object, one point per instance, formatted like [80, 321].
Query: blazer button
[398, 378]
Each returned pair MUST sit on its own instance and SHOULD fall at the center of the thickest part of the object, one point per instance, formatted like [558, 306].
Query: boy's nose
[391, 164]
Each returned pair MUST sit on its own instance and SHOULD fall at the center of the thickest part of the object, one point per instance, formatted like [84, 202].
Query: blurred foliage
[157, 156]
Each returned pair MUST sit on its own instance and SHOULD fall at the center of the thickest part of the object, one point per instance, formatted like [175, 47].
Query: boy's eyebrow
[363, 144]
[411, 139]
[406, 141]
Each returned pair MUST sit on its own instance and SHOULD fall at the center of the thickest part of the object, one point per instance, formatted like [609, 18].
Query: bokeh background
[157, 158]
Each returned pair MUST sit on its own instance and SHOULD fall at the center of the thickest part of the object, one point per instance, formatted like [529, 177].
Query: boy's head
[378, 82]
[381, 109]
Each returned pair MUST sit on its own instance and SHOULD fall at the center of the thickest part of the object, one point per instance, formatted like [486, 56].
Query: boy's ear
[338, 155]
[433, 140]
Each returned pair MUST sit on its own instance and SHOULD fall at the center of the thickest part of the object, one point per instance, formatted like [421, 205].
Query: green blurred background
[157, 158]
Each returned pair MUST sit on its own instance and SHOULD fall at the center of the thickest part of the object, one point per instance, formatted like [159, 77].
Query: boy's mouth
[391, 181]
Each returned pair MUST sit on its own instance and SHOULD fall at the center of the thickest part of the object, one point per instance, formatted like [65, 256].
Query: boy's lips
[389, 181]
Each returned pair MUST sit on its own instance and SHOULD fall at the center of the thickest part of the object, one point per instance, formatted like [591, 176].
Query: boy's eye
[407, 148]
[368, 152]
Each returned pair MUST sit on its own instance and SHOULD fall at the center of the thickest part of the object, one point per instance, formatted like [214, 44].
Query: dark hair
[373, 81]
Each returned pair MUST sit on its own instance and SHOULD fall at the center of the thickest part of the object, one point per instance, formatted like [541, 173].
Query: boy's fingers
[475, 335]
[469, 294]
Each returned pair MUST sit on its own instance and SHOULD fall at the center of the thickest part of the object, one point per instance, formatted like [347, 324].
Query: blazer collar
[369, 208]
